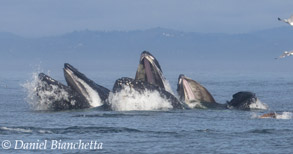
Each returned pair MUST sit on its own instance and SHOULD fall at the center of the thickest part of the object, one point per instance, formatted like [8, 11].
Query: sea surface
[152, 131]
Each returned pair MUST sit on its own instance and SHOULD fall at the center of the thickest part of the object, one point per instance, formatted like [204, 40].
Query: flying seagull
[285, 54]
[288, 21]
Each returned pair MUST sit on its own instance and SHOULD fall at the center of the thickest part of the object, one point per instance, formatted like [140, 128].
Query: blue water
[173, 131]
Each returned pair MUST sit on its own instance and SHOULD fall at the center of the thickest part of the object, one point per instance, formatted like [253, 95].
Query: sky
[35, 18]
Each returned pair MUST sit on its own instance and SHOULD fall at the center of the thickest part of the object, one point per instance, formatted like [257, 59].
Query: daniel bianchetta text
[52, 145]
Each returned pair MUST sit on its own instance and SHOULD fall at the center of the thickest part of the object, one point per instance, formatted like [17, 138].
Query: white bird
[288, 21]
[285, 54]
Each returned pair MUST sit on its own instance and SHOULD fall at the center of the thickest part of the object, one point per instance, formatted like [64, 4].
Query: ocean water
[152, 131]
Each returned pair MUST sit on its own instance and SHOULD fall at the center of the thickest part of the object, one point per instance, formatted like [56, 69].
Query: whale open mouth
[149, 70]
[190, 91]
[94, 93]
[185, 89]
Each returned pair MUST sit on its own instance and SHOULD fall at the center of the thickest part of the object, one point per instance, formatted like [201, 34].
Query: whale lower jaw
[204, 105]
[95, 94]
[149, 70]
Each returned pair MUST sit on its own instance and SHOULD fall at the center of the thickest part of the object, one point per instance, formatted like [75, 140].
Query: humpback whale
[149, 70]
[196, 96]
[57, 96]
[245, 100]
[82, 92]
[142, 86]
[95, 94]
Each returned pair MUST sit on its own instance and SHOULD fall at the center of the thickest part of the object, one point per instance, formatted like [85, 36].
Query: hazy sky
[51, 17]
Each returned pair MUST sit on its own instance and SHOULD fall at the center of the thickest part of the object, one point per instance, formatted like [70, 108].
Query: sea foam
[258, 105]
[284, 115]
[129, 99]
[43, 100]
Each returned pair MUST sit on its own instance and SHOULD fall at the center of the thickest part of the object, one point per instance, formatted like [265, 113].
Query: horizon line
[133, 30]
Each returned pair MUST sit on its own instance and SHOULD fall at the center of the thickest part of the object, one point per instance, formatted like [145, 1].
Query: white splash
[254, 115]
[284, 115]
[195, 104]
[43, 100]
[258, 105]
[17, 129]
[167, 86]
[129, 99]
[31, 90]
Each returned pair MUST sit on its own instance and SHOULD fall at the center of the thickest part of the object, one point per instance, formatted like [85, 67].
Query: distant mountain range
[170, 44]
